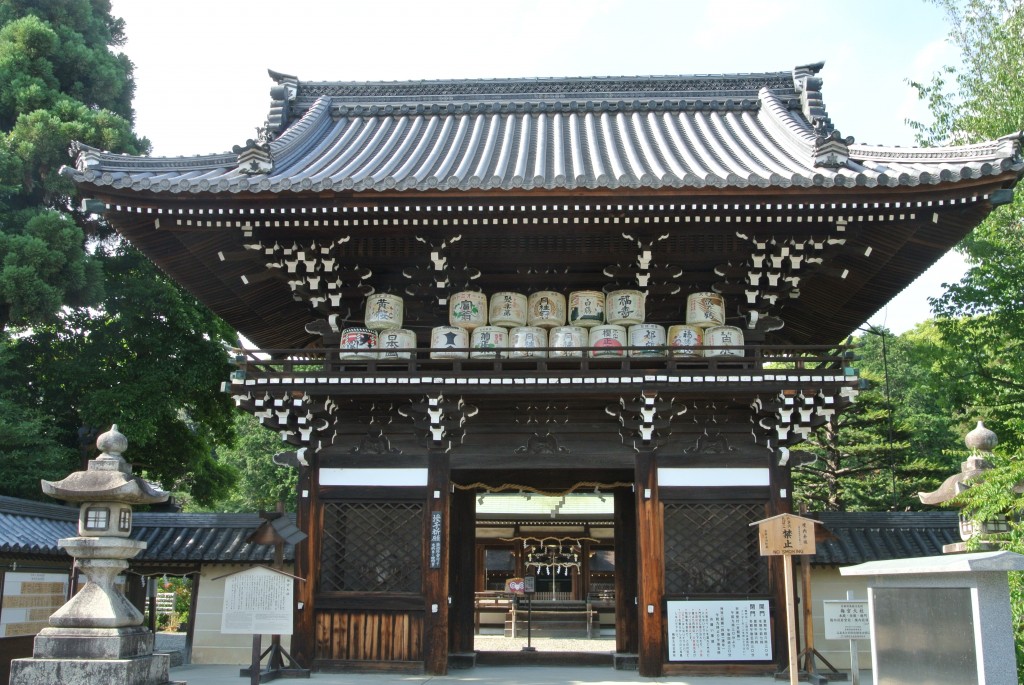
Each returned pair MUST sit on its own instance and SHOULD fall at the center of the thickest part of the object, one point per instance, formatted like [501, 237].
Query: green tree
[91, 334]
[855, 459]
[261, 483]
[982, 316]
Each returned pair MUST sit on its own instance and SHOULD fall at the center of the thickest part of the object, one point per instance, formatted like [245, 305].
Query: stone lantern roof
[108, 478]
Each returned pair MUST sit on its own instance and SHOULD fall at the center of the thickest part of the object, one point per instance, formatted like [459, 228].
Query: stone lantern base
[87, 656]
[150, 670]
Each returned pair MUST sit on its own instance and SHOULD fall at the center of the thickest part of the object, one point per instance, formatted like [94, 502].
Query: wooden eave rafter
[186, 236]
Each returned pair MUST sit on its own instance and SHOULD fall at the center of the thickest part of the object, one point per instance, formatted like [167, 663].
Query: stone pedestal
[943, 619]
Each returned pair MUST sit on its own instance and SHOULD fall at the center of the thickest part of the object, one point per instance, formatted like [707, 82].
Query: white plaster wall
[826, 583]
[209, 645]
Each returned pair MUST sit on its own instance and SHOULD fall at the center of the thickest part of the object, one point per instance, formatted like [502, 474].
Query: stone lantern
[981, 441]
[98, 635]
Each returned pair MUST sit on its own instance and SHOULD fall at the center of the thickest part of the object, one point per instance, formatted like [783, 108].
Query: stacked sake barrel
[705, 325]
[381, 336]
[510, 324]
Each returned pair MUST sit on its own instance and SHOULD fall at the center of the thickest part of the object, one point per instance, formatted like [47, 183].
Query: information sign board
[847, 619]
[28, 601]
[719, 630]
[786, 534]
[258, 601]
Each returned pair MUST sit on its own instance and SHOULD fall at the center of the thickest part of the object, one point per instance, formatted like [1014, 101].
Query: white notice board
[847, 619]
[28, 601]
[719, 630]
[258, 600]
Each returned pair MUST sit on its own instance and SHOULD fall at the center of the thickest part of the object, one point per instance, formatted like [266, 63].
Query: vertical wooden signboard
[785, 535]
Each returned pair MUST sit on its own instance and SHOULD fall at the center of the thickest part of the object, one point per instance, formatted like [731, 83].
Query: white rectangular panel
[374, 477]
[712, 478]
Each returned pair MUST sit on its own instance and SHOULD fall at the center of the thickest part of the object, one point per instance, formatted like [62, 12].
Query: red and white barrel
[391, 339]
[546, 309]
[624, 307]
[607, 340]
[507, 310]
[684, 339]
[650, 337]
[586, 308]
[524, 341]
[724, 335]
[467, 309]
[445, 338]
[705, 310]
[358, 343]
[488, 342]
[383, 310]
[568, 336]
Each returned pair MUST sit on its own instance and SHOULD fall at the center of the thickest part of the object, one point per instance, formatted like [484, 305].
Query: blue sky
[202, 84]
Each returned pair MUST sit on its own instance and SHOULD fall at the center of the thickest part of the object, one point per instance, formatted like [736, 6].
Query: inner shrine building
[633, 290]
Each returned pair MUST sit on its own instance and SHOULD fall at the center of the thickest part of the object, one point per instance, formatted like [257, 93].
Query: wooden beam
[309, 518]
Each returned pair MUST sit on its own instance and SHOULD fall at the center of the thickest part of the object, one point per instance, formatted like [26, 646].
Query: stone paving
[569, 673]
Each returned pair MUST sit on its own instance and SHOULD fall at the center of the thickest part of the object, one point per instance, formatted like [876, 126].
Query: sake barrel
[724, 335]
[705, 309]
[524, 341]
[683, 339]
[624, 307]
[607, 340]
[444, 338]
[647, 335]
[568, 336]
[358, 343]
[383, 310]
[391, 339]
[586, 308]
[545, 308]
[467, 309]
[488, 342]
[507, 310]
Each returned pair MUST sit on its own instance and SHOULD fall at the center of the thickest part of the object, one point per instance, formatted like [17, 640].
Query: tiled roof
[33, 528]
[871, 536]
[217, 538]
[720, 131]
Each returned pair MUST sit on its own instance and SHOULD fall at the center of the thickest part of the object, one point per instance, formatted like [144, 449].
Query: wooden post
[435, 568]
[651, 566]
[463, 569]
[626, 641]
[309, 519]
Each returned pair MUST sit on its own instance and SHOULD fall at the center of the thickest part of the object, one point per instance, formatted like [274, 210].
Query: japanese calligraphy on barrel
[546, 309]
[624, 307]
[467, 309]
[705, 309]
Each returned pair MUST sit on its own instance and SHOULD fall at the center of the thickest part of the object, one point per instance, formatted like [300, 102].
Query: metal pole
[854, 653]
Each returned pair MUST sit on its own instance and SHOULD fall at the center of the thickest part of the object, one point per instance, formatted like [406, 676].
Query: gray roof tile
[745, 130]
[871, 536]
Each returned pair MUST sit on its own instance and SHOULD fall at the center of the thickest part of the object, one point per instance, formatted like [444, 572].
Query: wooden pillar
[463, 571]
[626, 640]
[650, 540]
[309, 520]
[435, 575]
[780, 501]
